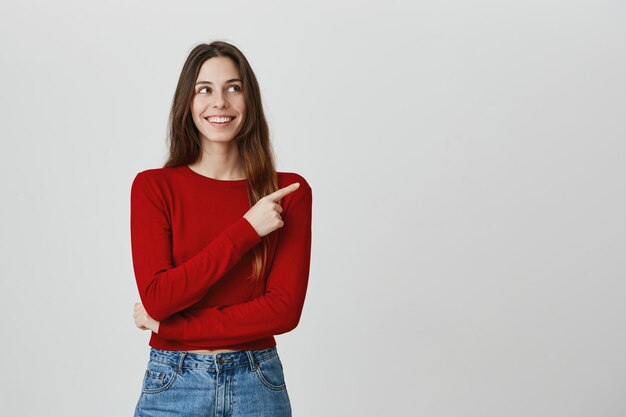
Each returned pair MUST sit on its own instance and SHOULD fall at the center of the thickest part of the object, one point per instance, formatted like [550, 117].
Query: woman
[221, 248]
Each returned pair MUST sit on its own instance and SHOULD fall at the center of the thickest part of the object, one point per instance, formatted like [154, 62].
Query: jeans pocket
[270, 373]
[158, 377]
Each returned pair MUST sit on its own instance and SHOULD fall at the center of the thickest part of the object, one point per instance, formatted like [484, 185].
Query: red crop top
[191, 252]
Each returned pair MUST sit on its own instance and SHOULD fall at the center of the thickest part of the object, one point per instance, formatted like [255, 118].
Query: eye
[237, 88]
[203, 88]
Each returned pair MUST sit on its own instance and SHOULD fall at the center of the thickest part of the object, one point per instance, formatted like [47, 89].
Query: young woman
[221, 247]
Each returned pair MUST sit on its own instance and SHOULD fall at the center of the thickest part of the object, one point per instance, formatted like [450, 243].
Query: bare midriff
[211, 352]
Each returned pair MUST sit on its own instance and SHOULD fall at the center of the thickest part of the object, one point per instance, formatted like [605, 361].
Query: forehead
[217, 70]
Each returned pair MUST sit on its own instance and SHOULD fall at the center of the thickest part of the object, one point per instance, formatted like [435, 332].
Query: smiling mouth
[219, 122]
[219, 118]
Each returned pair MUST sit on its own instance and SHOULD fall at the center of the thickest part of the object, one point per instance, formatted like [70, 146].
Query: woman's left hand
[143, 320]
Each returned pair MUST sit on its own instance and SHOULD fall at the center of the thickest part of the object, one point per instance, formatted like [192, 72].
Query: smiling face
[218, 107]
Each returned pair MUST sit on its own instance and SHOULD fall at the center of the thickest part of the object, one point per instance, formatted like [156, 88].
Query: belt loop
[253, 363]
[181, 359]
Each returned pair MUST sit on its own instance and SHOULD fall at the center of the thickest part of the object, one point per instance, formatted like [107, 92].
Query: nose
[219, 101]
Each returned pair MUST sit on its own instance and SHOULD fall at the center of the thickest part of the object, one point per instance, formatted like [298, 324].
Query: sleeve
[277, 311]
[165, 290]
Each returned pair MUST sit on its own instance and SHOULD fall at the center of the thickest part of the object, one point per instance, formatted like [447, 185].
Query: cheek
[195, 106]
[241, 108]
[196, 110]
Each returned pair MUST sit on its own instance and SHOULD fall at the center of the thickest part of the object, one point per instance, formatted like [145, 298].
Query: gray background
[467, 161]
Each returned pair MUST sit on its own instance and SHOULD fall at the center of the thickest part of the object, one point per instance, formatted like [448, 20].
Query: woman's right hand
[264, 216]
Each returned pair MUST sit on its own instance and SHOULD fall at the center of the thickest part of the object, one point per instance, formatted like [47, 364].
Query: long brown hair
[253, 140]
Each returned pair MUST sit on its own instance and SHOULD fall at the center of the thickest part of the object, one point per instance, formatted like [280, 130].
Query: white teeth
[220, 119]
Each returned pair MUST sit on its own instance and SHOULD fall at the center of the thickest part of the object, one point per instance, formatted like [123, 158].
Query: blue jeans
[241, 383]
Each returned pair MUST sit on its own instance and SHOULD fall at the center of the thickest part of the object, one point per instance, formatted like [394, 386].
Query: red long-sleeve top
[192, 258]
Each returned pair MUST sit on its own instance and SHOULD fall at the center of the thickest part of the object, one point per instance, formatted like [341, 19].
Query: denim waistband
[180, 359]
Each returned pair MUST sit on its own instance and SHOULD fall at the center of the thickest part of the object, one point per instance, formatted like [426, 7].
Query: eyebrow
[227, 81]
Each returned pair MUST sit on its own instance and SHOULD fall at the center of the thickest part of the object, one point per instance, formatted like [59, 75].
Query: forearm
[271, 314]
[165, 291]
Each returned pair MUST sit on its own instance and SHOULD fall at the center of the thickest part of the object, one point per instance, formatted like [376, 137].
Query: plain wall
[467, 160]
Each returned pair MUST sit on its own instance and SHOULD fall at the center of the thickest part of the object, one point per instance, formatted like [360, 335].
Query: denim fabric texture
[243, 383]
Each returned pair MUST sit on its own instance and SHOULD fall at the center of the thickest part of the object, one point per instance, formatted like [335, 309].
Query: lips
[220, 125]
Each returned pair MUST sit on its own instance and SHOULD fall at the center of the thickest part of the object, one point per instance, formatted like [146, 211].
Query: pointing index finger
[278, 194]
